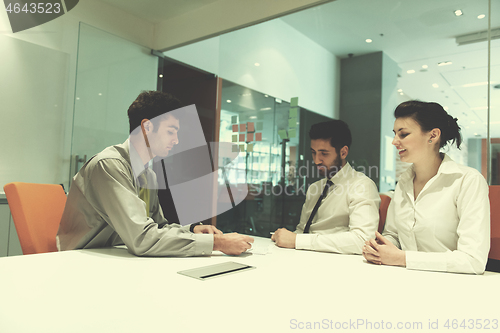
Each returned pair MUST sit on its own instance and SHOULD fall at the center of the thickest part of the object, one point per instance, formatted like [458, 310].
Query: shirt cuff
[203, 244]
[304, 241]
[426, 261]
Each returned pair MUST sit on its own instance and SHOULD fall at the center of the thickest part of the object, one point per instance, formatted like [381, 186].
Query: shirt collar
[447, 166]
[341, 173]
[135, 160]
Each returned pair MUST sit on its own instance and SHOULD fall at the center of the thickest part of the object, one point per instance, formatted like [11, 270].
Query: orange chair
[36, 210]
[385, 200]
[495, 222]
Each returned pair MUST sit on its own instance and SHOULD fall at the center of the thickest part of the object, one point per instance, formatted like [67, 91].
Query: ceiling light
[425, 66]
[458, 12]
[229, 101]
[476, 134]
[482, 16]
[444, 63]
[475, 84]
[257, 64]
[161, 75]
[400, 90]
[476, 37]
[265, 109]
[253, 117]
[435, 85]
[411, 71]
[401, 93]
[368, 40]
[266, 95]
[278, 100]
[100, 94]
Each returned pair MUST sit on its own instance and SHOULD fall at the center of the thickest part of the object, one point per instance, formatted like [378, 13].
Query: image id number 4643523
[39, 7]
[476, 324]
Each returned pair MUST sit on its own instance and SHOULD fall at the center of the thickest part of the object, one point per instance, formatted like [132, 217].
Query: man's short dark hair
[151, 104]
[336, 131]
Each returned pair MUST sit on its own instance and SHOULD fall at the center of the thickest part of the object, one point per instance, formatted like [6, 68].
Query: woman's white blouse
[447, 228]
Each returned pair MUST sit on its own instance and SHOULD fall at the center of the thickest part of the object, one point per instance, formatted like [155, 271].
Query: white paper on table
[261, 246]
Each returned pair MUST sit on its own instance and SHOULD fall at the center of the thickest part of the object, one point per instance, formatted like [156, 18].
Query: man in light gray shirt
[113, 198]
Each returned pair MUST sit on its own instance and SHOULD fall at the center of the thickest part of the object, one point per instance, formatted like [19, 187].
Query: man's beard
[334, 168]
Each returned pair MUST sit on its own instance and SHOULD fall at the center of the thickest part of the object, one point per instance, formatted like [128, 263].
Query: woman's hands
[380, 251]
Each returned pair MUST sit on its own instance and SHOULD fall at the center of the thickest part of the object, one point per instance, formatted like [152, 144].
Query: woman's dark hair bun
[430, 115]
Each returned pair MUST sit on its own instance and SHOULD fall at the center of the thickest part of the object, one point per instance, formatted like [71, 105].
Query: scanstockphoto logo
[28, 14]
[195, 171]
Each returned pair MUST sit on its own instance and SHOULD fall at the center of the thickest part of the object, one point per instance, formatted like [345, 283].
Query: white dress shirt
[447, 228]
[347, 217]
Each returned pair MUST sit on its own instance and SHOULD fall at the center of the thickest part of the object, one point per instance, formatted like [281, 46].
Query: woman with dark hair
[439, 218]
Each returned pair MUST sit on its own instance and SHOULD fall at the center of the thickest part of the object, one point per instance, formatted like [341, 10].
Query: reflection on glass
[254, 121]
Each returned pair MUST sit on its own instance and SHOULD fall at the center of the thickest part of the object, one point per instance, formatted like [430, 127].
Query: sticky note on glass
[292, 122]
[293, 113]
[249, 137]
[235, 128]
[250, 148]
[242, 137]
[243, 127]
[292, 133]
[282, 134]
[260, 126]
[234, 119]
[235, 138]
[250, 127]
[294, 101]
[258, 136]
[242, 148]
[235, 149]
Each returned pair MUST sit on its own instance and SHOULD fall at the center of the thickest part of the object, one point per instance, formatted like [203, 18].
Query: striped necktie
[144, 191]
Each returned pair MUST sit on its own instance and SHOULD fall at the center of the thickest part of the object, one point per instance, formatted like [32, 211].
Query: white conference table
[110, 290]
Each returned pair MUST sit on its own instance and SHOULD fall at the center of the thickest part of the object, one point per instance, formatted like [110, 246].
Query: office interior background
[67, 85]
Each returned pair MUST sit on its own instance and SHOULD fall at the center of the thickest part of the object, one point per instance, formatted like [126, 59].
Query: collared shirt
[447, 228]
[347, 217]
[104, 209]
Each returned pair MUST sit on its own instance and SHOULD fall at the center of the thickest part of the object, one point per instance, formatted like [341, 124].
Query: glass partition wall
[267, 138]
[111, 72]
[354, 61]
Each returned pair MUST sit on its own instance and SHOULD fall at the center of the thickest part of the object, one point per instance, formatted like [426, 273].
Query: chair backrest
[385, 200]
[495, 222]
[36, 210]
